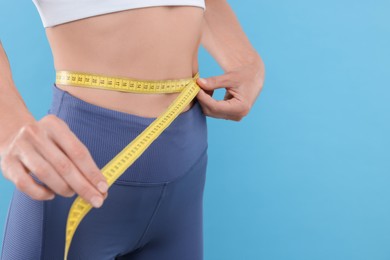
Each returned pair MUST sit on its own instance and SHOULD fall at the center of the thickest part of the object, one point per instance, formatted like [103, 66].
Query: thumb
[211, 83]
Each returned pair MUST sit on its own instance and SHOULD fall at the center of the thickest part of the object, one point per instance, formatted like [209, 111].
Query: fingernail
[96, 201]
[72, 194]
[202, 80]
[102, 186]
[52, 197]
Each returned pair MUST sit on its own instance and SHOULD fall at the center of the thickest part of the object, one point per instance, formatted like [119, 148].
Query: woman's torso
[152, 43]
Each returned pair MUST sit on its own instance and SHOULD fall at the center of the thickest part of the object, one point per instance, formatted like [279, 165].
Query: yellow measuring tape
[125, 158]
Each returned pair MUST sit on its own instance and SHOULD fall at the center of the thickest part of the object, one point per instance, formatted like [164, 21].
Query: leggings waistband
[105, 132]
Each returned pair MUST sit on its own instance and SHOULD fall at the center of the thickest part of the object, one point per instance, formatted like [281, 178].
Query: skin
[244, 71]
[168, 50]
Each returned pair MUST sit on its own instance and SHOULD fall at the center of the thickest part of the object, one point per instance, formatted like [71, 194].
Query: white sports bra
[54, 12]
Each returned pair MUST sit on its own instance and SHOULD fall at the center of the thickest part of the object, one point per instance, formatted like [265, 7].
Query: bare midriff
[152, 43]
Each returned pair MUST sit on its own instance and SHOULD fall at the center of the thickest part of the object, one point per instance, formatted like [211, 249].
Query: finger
[32, 159]
[76, 179]
[227, 96]
[18, 174]
[80, 156]
[228, 109]
[221, 81]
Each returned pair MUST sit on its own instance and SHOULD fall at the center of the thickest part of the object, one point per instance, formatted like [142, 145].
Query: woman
[154, 210]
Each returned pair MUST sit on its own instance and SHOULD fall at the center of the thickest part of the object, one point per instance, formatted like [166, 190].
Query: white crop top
[54, 12]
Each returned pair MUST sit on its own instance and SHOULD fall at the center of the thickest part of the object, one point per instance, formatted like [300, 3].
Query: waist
[143, 105]
[159, 90]
[162, 44]
[153, 43]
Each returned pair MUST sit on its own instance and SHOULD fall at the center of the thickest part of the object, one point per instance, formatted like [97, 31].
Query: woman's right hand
[49, 149]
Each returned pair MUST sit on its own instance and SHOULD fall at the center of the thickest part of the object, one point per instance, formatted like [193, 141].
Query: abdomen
[147, 43]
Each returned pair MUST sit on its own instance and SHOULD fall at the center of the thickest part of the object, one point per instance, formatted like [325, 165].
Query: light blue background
[306, 174]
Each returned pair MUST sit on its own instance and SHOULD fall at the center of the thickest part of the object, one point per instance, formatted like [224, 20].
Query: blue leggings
[153, 211]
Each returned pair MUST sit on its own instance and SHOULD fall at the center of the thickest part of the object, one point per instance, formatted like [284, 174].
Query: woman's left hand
[243, 85]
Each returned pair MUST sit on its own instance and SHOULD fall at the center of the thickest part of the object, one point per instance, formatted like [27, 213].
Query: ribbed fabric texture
[154, 211]
[105, 132]
[27, 230]
[138, 221]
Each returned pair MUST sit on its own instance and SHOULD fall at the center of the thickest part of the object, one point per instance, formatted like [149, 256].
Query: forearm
[224, 39]
[5, 70]
[13, 111]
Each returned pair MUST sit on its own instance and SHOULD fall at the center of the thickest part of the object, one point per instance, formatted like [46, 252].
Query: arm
[13, 110]
[46, 147]
[224, 39]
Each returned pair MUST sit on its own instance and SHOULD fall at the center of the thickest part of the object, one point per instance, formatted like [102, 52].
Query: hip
[105, 132]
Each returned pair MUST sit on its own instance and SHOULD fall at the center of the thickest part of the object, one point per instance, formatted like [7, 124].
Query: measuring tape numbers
[188, 89]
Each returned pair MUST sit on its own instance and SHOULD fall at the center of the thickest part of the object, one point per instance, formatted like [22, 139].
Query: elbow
[259, 67]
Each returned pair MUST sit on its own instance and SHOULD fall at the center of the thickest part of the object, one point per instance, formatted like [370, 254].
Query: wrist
[12, 131]
[252, 60]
